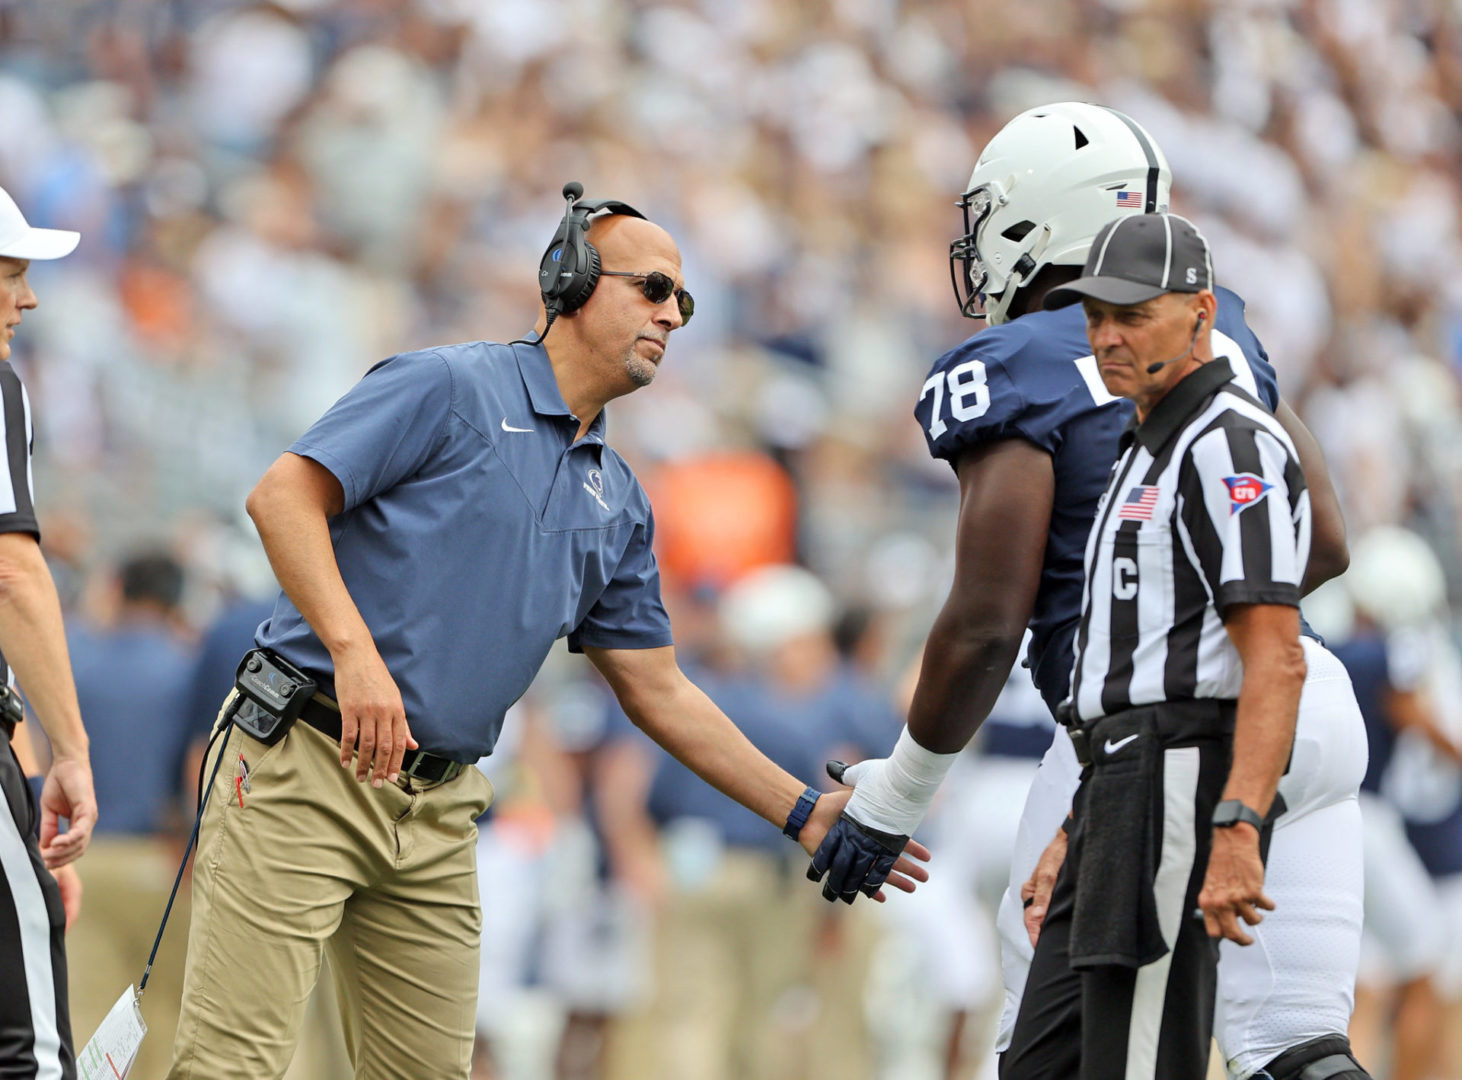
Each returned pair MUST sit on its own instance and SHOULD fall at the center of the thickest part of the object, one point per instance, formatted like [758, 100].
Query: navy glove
[856, 858]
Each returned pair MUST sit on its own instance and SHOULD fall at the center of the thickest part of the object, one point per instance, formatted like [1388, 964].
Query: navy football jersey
[1036, 379]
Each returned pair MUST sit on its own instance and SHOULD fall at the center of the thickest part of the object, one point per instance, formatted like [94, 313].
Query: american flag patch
[1139, 503]
[1130, 198]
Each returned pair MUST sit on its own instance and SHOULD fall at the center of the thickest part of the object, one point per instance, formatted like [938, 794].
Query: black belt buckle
[1081, 743]
[272, 692]
[1080, 733]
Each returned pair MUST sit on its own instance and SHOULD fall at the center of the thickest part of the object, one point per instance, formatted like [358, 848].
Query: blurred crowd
[275, 195]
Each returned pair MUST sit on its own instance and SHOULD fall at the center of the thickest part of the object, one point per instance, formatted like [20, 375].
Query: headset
[1153, 369]
[570, 267]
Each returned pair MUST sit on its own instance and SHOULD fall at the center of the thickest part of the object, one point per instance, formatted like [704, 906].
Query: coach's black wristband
[801, 811]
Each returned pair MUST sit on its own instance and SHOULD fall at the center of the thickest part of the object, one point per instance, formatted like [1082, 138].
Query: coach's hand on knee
[373, 725]
[1233, 885]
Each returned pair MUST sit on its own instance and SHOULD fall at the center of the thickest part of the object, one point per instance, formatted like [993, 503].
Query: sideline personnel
[35, 1025]
[434, 533]
[1188, 659]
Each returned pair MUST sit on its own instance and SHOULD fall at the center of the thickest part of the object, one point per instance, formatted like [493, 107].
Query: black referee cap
[1137, 257]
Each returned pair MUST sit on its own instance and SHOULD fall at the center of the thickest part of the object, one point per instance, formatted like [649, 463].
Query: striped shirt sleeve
[17, 505]
[1243, 509]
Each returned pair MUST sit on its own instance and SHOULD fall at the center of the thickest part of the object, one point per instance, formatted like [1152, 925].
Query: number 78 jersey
[1035, 378]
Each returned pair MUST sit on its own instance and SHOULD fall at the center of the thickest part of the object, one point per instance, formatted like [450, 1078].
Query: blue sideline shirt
[475, 533]
[134, 685]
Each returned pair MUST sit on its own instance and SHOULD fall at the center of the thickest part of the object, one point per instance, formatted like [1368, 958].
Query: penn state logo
[595, 487]
[1244, 490]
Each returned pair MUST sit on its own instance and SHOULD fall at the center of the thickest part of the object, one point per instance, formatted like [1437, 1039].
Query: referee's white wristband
[895, 793]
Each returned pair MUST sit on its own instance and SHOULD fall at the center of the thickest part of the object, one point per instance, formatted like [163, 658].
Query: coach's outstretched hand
[856, 857]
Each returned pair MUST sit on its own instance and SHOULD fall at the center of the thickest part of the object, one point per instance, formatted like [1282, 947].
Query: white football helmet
[1395, 577]
[1041, 191]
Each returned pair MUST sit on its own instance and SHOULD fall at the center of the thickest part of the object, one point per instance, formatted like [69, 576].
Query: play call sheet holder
[111, 1051]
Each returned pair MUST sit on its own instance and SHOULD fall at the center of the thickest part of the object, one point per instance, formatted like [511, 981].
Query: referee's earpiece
[1153, 369]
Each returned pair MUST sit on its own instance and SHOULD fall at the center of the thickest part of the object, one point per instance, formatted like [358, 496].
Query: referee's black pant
[35, 1024]
[1113, 1022]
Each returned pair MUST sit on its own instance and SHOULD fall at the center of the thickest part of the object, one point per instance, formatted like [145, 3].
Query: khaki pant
[312, 859]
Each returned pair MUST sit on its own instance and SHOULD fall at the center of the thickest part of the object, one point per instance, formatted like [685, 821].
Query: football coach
[435, 533]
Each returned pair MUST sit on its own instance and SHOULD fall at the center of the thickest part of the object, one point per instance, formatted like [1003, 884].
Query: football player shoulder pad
[1014, 380]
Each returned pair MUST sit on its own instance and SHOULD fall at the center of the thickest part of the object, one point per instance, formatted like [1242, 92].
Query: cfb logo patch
[1244, 490]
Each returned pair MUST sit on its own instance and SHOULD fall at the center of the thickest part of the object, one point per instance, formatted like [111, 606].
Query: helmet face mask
[967, 271]
[1041, 190]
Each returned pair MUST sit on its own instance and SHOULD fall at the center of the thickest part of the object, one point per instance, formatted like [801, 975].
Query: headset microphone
[1153, 369]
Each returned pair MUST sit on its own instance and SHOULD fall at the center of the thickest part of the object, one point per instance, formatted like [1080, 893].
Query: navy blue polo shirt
[476, 532]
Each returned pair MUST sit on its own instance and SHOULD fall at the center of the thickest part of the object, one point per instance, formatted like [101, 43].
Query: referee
[35, 1027]
[1186, 682]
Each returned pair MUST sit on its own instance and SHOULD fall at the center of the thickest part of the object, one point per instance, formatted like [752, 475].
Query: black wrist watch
[801, 811]
[1230, 812]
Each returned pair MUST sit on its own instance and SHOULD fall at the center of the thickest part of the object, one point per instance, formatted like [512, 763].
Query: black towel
[1115, 916]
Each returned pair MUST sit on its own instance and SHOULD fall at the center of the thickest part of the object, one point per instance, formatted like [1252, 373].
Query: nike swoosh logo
[1113, 747]
[509, 427]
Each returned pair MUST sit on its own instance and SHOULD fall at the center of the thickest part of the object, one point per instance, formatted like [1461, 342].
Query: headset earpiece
[579, 286]
[569, 269]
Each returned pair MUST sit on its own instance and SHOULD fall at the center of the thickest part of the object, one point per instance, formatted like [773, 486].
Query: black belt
[418, 764]
[1174, 722]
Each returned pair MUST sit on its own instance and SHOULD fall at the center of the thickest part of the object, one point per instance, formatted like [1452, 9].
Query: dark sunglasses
[658, 288]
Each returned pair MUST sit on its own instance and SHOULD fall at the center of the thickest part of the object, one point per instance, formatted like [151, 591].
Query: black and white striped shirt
[17, 505]
[1206, 507]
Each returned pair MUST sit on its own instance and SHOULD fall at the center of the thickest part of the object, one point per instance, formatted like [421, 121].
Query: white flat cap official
[19, 240]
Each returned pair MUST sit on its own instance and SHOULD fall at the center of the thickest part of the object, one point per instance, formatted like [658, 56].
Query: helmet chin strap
[1028, 262]
[1024, 270]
